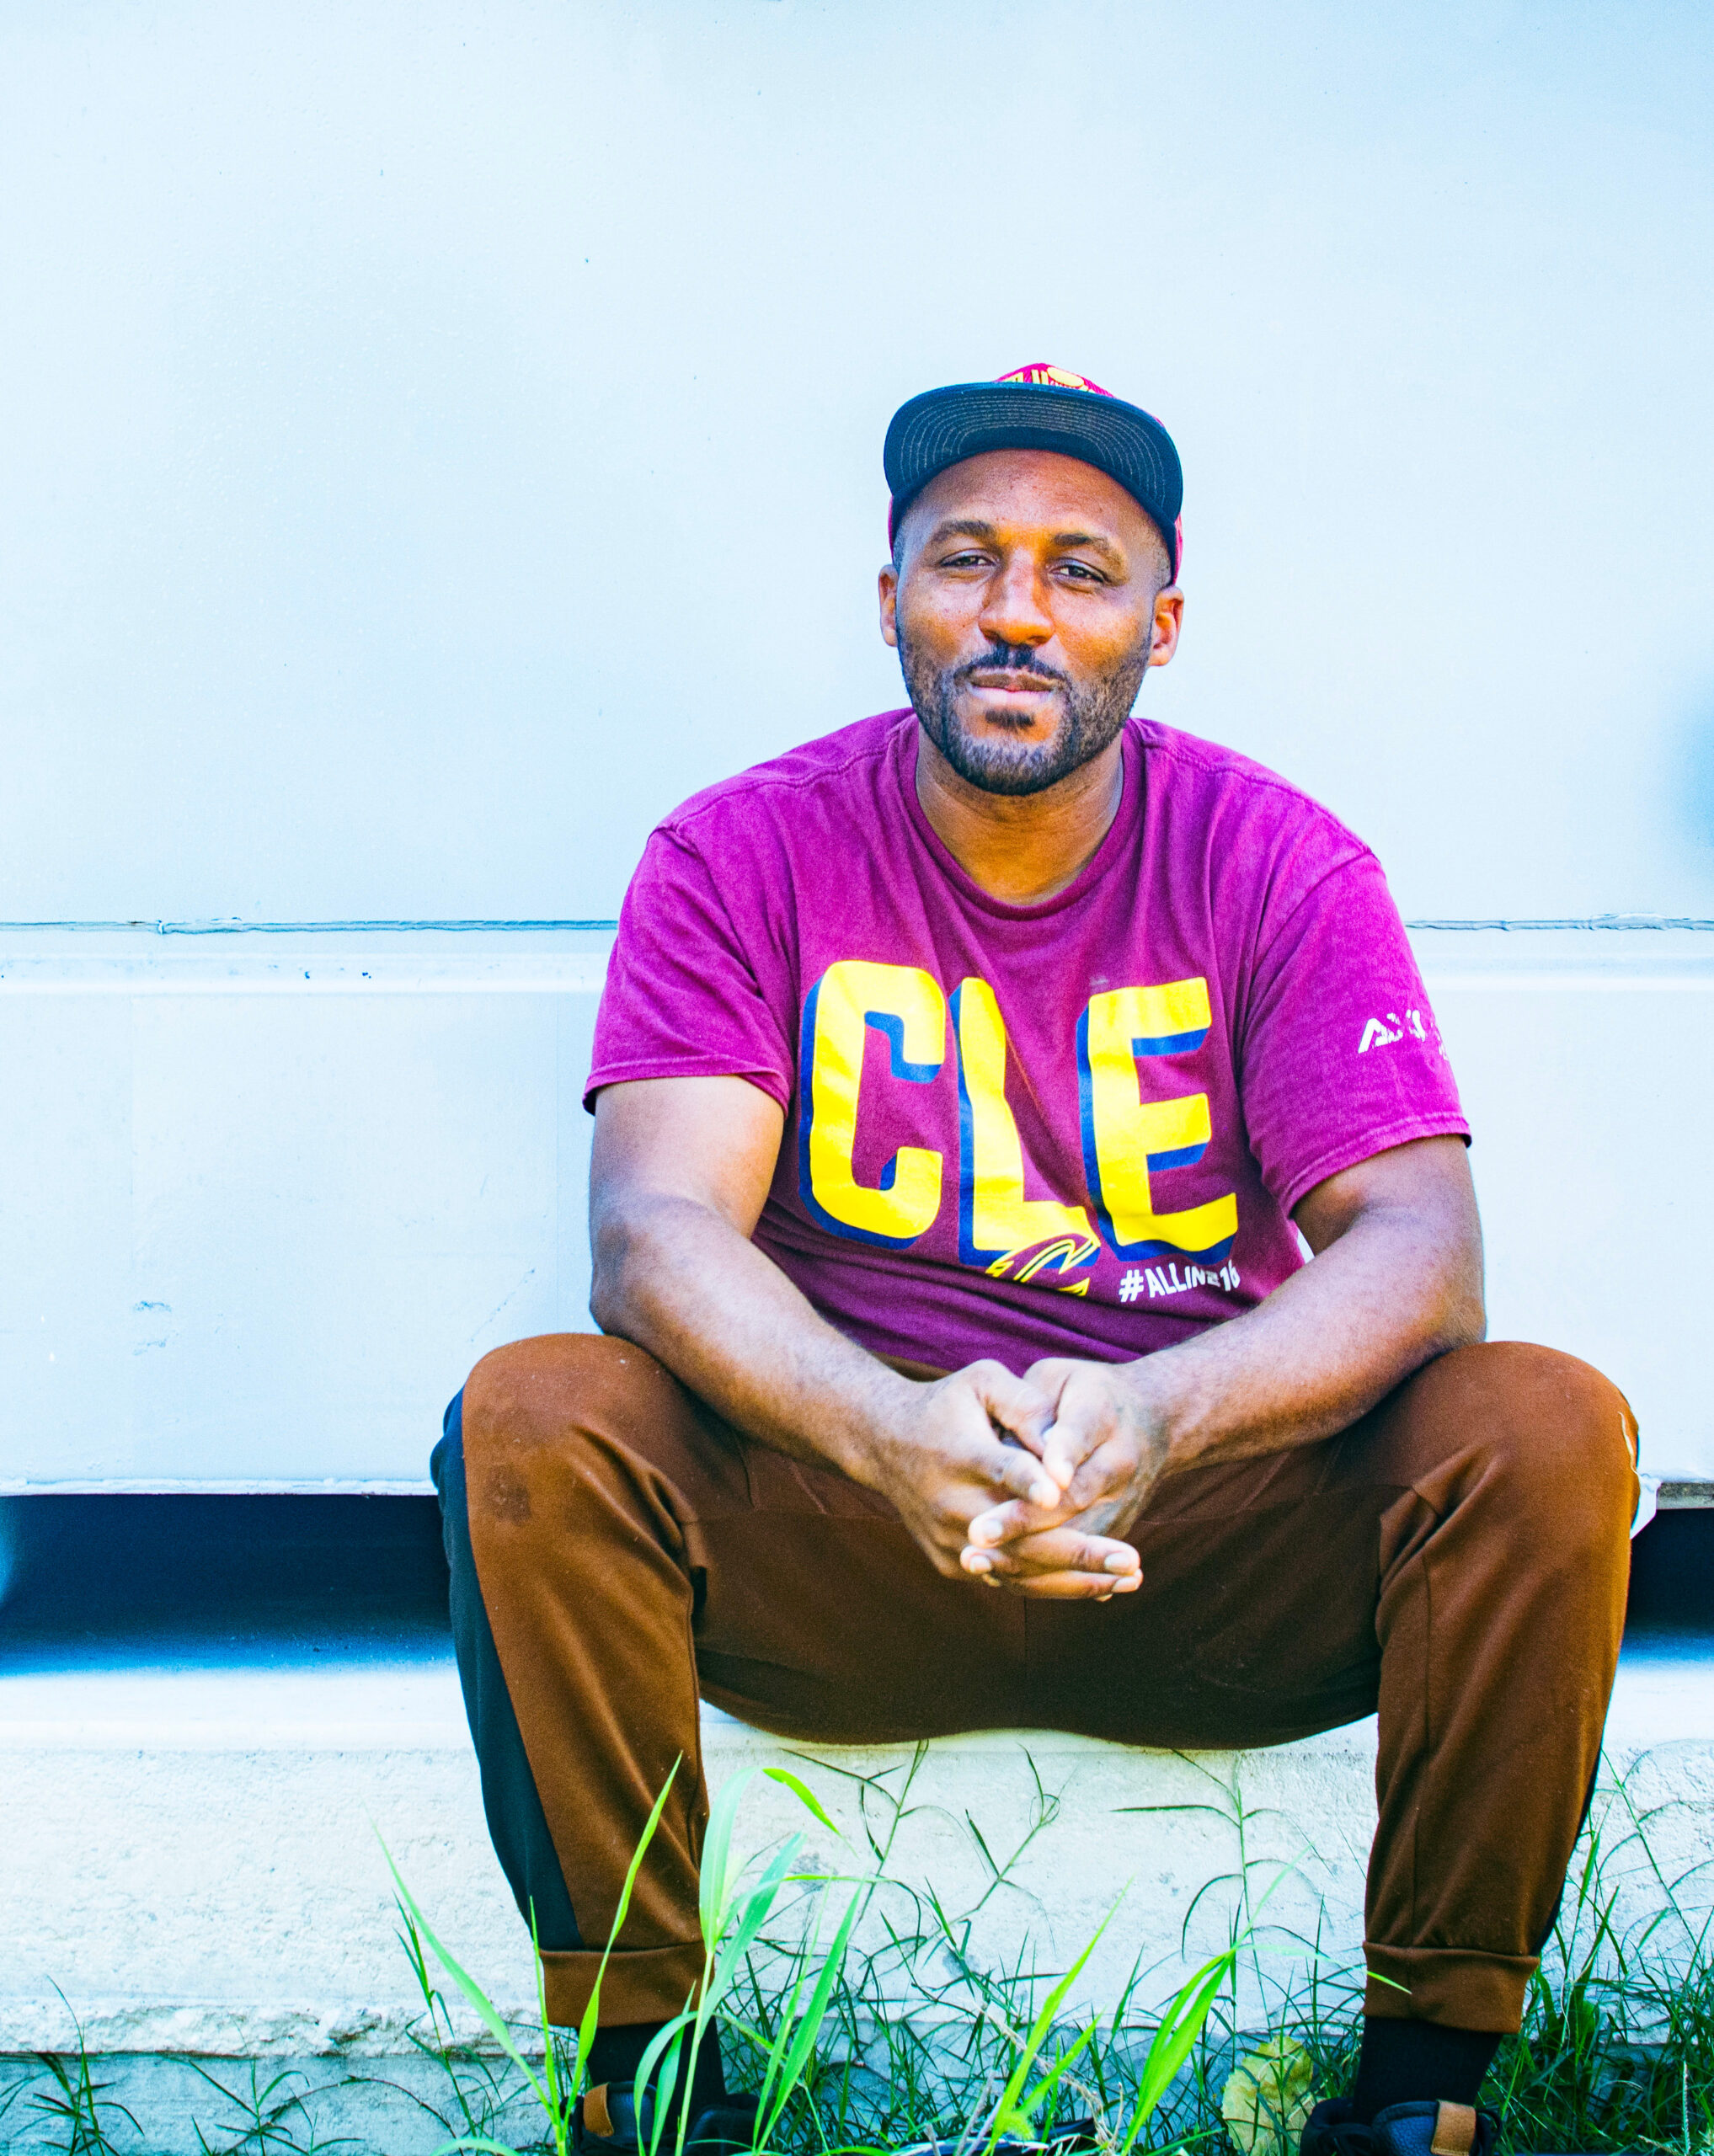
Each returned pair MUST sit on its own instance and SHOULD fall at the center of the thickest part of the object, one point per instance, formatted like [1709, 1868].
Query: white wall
[438, 436]
[274, 1195]
[433, 439]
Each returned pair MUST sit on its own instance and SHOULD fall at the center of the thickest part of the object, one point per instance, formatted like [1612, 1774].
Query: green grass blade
[586, 2027]
[472, 1990]
[550, 2060]
[1180, 2025]
[657, 2044]
[786, 2012]
[805, 1795]
[814, 2014]
[661, 2061]
[729, 1960]
[717, 1855]
[1007, 2113]
[1050, 2080]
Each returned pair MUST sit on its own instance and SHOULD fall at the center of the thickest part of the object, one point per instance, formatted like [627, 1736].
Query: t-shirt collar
[1114, 846]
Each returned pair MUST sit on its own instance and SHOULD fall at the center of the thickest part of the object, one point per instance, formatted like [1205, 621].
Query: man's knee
[1552, 1430]
[533, 1394]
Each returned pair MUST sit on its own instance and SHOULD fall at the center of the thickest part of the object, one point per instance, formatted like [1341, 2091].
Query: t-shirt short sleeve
[1340, 1055]
[682, 998]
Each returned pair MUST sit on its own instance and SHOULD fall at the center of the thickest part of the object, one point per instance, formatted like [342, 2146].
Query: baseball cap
[1037, 406]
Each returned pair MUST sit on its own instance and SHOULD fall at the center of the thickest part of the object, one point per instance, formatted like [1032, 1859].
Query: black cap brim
[942, 427]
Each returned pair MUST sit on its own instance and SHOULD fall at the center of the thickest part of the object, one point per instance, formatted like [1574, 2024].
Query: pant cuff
[650, 1985]
[1447, 1985]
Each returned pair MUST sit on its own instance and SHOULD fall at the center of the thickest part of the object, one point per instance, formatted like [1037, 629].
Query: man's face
[1030, 596]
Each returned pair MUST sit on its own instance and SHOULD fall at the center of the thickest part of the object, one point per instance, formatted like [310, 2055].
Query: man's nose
[1013, 612]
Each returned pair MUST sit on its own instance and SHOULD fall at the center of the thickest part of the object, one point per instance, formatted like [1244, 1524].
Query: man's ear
[1169, 620]
[889, 586]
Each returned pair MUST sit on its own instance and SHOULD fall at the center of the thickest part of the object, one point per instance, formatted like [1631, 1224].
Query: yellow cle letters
[996, 1219]
[1125, 1137]
[906, 1005]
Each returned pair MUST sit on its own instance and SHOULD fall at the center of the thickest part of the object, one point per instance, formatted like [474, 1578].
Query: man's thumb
[1019, 1471]
[1016, 1405]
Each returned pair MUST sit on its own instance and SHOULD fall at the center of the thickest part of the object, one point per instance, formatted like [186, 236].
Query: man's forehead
[1036, 488]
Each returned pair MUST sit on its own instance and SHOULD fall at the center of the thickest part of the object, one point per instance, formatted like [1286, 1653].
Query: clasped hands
[1029, 1483]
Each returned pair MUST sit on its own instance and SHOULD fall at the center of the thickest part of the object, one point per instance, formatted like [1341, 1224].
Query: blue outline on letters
[1179, 1157]
[891, 1028]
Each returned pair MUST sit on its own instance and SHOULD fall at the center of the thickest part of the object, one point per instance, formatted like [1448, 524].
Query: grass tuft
[857, 2007]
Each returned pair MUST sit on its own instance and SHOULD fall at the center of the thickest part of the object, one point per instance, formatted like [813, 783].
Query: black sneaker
[605, 2118]
[1400, 2130]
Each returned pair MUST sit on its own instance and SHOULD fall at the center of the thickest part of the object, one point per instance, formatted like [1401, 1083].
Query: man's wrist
[1167, 1399]
[871, 1440]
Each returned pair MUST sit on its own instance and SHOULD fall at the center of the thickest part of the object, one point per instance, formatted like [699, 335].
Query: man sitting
[969, 1087]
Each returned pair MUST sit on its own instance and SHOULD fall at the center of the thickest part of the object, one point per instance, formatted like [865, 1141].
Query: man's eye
[963, 562]
[1082, 572]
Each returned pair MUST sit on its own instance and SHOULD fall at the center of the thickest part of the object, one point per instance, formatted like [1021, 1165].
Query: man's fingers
[1007, 1523]
[1020, 1408]
[1012, 1468]
[1074, 1587]
[1053, 1550]
[1062, 1454]
[993, 1423]
[1066, 1586]
[1077, 1434]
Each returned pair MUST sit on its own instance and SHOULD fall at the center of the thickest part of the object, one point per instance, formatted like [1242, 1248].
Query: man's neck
[1021, 848]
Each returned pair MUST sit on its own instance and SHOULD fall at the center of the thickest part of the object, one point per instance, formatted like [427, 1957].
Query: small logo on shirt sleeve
[1384, 1032]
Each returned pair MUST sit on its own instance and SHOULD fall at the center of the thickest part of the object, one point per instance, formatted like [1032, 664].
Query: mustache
[1012, 658]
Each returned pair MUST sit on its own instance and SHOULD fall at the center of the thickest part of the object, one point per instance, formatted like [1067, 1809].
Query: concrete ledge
[191, 1855]
[181, 2106]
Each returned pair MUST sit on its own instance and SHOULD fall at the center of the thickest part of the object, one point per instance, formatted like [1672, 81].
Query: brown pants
[1457, 1560]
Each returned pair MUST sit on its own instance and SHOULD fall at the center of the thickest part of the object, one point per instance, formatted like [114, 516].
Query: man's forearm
[1320, 1352]
[681, 1281]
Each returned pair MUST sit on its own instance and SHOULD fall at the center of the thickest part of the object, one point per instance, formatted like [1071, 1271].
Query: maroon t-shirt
[1075, 1128]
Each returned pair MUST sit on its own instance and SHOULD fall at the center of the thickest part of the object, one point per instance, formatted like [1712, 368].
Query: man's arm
[680, 1171]
[1396, 1279]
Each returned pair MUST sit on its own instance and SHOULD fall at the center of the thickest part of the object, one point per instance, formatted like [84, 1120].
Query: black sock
[1418, 2062]
[615, 2054]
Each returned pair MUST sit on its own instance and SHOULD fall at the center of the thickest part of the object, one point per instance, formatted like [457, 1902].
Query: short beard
[1094, 717]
